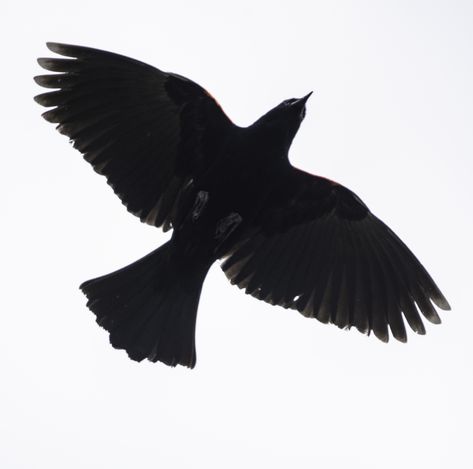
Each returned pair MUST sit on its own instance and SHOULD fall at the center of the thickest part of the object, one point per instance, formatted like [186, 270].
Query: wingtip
[37, 99]
[48, 63]
[420, 331]
[41, 61]
[43, 80]
[66, 50]
[434, 319]
[71, 50]
[382, 336]
[442, 303]
[55, 47]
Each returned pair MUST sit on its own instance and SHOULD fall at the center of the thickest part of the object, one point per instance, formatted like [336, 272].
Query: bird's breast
[227, 199]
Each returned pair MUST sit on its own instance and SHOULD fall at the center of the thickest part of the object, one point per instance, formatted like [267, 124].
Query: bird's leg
[199, 204]
[226, 226]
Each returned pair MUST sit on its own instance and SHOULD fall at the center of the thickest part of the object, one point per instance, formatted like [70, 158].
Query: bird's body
[240, 182]
[177, 161]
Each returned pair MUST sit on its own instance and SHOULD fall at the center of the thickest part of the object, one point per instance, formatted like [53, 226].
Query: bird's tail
[150, 307]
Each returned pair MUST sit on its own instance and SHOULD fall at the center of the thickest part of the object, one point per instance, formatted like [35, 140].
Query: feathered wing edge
[138, 126]
[349, 273]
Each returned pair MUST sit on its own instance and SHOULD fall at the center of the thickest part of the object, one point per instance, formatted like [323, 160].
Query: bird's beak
[301, 102]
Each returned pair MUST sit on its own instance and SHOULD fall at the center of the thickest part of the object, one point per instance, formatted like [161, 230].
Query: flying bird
[228, 193]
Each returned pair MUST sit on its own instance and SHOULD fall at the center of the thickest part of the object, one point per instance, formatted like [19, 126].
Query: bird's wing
[149, 132]
[319, 250]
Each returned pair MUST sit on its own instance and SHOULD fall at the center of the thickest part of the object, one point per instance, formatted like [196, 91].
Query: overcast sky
[391, 117]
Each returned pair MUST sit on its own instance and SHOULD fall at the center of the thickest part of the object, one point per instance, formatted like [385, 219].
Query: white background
[391, 117]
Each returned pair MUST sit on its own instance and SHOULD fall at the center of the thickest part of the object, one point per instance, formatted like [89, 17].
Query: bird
[230, 195]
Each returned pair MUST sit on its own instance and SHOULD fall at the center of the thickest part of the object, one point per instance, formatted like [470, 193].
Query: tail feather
[150, 307]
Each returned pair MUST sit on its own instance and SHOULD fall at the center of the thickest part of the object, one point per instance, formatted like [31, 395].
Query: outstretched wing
[319, 250]
[149, 132]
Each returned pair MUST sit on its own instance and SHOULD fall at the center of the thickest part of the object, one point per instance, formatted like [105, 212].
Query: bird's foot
[199, 204]
[227, 225]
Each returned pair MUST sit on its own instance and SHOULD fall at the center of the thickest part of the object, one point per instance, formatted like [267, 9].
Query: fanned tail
[150, 307]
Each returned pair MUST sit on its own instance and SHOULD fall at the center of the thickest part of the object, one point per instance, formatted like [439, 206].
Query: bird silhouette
[178, 162]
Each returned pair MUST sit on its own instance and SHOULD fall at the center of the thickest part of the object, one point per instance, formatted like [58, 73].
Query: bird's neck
[272, 139]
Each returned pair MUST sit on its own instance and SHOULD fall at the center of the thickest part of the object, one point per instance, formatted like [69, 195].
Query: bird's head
[286, 117]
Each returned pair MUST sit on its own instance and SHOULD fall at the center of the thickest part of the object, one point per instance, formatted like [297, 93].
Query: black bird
[177, 162]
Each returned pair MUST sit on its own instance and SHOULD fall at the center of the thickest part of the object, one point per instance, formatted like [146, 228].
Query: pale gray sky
[391, 117]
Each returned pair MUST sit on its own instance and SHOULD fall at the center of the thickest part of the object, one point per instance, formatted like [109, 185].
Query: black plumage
[285, 236]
